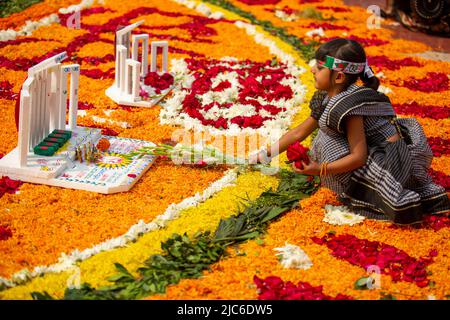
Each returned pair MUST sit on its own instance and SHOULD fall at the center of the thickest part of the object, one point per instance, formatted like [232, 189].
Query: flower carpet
[243, 70]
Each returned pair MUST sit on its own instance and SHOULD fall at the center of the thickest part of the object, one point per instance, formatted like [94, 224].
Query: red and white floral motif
[230, 97]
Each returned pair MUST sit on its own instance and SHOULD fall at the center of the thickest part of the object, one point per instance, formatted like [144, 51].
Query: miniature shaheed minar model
[52, 152]
[131, 69]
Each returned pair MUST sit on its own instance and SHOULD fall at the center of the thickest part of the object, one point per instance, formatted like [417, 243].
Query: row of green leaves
[184, 257]
[306, 49]
[8, 7]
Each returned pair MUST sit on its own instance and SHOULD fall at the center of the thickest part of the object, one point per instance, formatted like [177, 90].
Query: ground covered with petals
[39, 224]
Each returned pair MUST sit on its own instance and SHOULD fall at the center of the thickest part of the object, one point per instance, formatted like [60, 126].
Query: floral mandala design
[112, 160]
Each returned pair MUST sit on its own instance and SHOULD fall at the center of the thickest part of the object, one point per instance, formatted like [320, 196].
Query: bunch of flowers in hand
[297, 153]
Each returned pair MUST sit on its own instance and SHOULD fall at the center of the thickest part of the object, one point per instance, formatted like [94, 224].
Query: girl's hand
[260, 157]
[312, 169]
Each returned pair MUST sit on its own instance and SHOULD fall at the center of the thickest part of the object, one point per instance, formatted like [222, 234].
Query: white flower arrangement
[172, 114]
[316, 32]
[286, 17]
[82, 5]
[341, 215]
[385, 90]
[292, 256]
[28, 28]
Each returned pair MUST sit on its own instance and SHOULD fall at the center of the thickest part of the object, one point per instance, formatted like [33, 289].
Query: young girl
[377, 164]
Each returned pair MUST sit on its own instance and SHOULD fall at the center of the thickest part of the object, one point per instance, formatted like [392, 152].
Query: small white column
[74, 70]
[33, 111]
[24, 122]
[54, 98]
[165, 46]
[123, 35]
[135, 55]
[46, 103]
[62, 105]
[122, 54]
[132, 75]
[38, 105]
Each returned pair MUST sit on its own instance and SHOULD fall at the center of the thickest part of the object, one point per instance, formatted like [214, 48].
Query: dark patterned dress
[394, 184]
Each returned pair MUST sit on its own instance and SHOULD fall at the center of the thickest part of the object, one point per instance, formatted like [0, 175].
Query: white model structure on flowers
[130, 69]
[43, 104]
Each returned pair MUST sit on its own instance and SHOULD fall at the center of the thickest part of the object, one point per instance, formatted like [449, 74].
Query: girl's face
[321, 77]
[324, 79]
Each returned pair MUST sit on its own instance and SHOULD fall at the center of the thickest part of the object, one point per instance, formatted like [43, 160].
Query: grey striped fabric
[394, 183]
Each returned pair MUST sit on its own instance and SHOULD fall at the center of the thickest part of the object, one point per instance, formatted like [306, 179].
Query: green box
[64, 132]
[49, 144]
[59, 141]
[59, 136]
[44, 150]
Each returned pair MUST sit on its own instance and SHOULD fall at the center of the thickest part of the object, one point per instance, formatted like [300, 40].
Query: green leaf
[41, 296]
[274, 62]
[388, 297]
[259, 242]
[124, 272]
[274, 212]
[361, 283]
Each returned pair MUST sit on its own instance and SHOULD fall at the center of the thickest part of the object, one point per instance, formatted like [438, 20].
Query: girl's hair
[348, 50]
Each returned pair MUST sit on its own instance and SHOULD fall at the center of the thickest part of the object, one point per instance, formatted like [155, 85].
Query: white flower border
[30, 26]
[173, 211]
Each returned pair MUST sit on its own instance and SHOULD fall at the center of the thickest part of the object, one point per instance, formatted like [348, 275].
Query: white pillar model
[43, 101]
[165, 46]
[135, 54]
[132, 79]
[74, 71]
[130, 69]
[123, 39]
[122, 54]
[43, 105]
[24, 122]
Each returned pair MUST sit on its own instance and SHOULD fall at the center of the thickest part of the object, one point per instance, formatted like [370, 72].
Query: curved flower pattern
[234, 96]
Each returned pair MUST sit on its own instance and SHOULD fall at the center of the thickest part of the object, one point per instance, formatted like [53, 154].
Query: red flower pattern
[269, 88]
[8, 185]
[433, 82]
[392, 261]
[439, 146]
[158, 82]
[413, 108]
[5, 233]
[274, 288]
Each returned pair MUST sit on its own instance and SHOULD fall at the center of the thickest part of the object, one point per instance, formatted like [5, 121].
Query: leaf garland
[7, 8]
[186, 258]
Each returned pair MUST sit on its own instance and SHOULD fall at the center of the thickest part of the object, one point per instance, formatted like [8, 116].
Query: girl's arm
[358, 151]
[299, 133]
